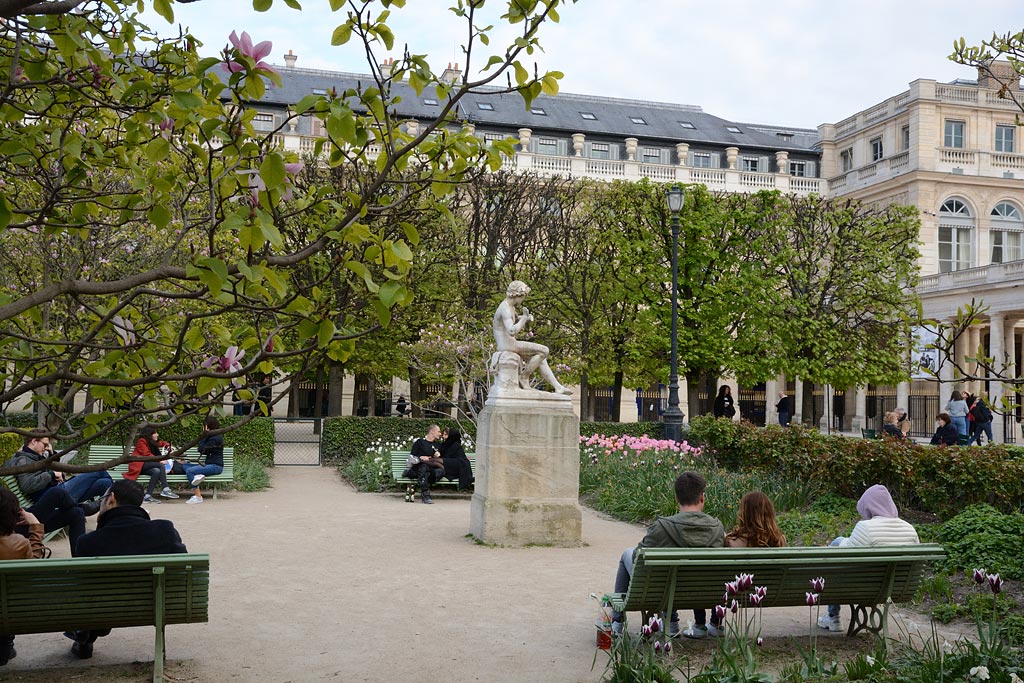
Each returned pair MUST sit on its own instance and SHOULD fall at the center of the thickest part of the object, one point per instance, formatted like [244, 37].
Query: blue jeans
[833, 610]
[192, 469]
[980, 427]
[961, 425]
[87, 485]
[622, 576]
[784, 419]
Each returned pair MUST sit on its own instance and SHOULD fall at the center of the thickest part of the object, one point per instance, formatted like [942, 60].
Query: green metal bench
[101, 453]
[10, 482]
[398, 466]
[51, 596]
[866, 579]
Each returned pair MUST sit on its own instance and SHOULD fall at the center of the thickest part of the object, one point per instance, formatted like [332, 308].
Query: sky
[797, 63]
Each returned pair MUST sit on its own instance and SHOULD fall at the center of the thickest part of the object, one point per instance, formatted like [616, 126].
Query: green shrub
[10, 443]
[369, 472]
[814, 528]
[939, 480]
[983, 537]
[655, 430]
[1012, 628]
[945, 612]
[938, 588]
[345, 438]
[251, 475]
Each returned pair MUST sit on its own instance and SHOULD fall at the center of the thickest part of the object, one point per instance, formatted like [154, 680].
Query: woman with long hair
[149, 445]
[14, 546]
[724, 405]
[456, 463]
[756, 527]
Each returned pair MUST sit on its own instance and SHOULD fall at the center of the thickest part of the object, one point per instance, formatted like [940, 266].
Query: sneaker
[673, 629]
[194, 500]
[79, 648]
[617, 628]
[829, 623]
[715, 631]
[696, 632]
[198, 479]
[167, 493]
[149, 499]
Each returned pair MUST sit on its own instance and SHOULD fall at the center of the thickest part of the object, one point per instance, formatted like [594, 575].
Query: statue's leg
[549, 377]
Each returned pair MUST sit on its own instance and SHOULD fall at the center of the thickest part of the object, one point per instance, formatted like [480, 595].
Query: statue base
[527, 472]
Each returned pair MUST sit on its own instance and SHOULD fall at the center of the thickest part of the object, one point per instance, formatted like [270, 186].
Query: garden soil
[312, 581]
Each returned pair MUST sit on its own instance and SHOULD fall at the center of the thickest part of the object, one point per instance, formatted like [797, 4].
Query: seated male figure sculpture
[507, 324]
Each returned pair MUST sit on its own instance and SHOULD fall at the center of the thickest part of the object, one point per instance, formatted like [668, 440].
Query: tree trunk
[693, 380]
[318, 401]
[293, 400]
[335, 388]
[617, 397]
[807, 404]
[586, 414]
[415, 392]
[371, 395]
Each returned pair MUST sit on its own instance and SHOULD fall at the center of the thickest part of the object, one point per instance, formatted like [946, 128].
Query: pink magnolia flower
[124, 329]
[229, 362]
[166, 127]
[256, 53]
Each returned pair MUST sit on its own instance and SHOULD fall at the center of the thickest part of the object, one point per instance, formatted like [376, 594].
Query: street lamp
[673, 415]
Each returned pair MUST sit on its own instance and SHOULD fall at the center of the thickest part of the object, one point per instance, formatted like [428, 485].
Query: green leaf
[187, 100]
[383, 312]
[160, 215]
[157, 150]
[294, 4]
[163, 8]
[390, 292]
[205, 385]
[341, 34]
[325, 333]
[337, 4]
[262, 5]
[307, 103]
[272, 171]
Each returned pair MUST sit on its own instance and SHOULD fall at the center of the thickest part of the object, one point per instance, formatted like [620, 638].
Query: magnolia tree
[150, 227]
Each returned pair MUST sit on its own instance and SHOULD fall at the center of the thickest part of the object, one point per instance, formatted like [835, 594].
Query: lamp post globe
[673, 416]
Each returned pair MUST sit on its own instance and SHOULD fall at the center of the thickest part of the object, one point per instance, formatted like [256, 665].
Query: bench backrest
[398, 460]
[100, 453]
[42, 596]
[696, 577]
[10, 482]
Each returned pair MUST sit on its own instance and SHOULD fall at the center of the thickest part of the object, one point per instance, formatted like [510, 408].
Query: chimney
[387, 66]
[451, 74]
[1002, 72]
[289, 59]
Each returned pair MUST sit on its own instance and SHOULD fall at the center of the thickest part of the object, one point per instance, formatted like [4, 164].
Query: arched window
[1007, 233]
[956, 233]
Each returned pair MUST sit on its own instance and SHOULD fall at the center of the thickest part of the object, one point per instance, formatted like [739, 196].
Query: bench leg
[869, 618]
[158, 656]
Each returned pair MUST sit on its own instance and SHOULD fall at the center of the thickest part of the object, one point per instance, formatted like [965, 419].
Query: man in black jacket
[123, 528]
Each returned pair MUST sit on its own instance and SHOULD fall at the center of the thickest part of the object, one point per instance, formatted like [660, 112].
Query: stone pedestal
[527, 471]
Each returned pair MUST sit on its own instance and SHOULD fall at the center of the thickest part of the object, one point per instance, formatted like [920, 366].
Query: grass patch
[251, 475]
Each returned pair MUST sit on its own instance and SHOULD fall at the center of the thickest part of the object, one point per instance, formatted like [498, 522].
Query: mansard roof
[649, 122]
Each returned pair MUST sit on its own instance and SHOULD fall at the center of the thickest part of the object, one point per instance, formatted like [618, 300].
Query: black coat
[128, 530]
[724, 406]
[212, 449]
[946, 435]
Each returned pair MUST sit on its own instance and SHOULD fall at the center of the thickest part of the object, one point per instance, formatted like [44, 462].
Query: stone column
[963, 344]
[771, 397]
[860, 415]
[412, 128]
[903, 395]
[798, 402]
[997, 334]
[782, 161]
[577, 143]
[524, 139]
[946, 365]
[825, 423]
[682, 153]
[631, 144]
[975, 367]
[731, 155]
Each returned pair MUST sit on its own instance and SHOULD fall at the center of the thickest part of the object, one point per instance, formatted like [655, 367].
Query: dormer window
[538, 111]
[687, 124]
[485, 106]
[588, 116]
[639, 120]
[733, 129]
[430, 102]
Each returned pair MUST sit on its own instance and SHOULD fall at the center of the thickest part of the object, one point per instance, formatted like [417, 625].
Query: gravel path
[313, 581]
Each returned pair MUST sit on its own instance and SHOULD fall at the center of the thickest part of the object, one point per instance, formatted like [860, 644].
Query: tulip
[668, 647]
[818, 584]
[745, 581]
[995, 583]
[979, 576]
[732, 588]
[760, 642]
[657, 646]
[656, 624]
[720, 611]
[755, 600]
[812, 599]
[761, 591]
[645, 630]
[734, 607]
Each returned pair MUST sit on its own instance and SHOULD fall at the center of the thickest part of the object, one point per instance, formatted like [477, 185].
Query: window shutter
[533, 145]
[562, 147]
[613, 151]
[689, 157]
[666, 156]
[716, 160]
[588, 149]
[811, 171]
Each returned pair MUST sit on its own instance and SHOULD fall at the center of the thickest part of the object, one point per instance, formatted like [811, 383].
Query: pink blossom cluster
[636, 444]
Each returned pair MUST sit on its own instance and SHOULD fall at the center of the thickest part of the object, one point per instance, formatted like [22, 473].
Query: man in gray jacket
[689, 528]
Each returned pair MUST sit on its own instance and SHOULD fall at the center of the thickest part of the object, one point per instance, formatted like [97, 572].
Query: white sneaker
[715, 631]
[194, 500]
[696, 632]
[167, 493]
[829, 623]
[198, 479]
[149, 499]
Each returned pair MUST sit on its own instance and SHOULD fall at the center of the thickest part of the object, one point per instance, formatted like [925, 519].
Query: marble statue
[515, 361]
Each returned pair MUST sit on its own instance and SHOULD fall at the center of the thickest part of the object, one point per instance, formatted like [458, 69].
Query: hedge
[940, 480]
[254, 440]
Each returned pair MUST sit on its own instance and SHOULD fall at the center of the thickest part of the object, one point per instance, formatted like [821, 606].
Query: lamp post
[673, 415]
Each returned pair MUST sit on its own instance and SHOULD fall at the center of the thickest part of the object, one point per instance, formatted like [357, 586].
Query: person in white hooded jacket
[880, 525]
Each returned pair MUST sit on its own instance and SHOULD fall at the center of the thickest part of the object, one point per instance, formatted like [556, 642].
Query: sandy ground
[312, 581]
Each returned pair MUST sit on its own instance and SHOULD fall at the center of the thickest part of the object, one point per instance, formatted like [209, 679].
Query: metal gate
[297, 441]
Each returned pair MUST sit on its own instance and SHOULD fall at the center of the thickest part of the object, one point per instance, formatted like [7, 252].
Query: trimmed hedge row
[940, 480]
[255, 440]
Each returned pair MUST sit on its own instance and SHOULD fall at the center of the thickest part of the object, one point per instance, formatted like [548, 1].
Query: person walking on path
[785, 409]
[982, 421]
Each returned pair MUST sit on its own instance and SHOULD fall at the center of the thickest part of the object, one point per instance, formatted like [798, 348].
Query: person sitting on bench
[14, 546]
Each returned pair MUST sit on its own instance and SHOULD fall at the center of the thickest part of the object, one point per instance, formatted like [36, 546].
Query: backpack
[982, 413]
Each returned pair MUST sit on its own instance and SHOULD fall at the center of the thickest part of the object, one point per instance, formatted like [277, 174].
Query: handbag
[411, 460]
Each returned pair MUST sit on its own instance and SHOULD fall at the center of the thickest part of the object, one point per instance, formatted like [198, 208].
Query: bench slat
[101, 453]
[398, 466]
